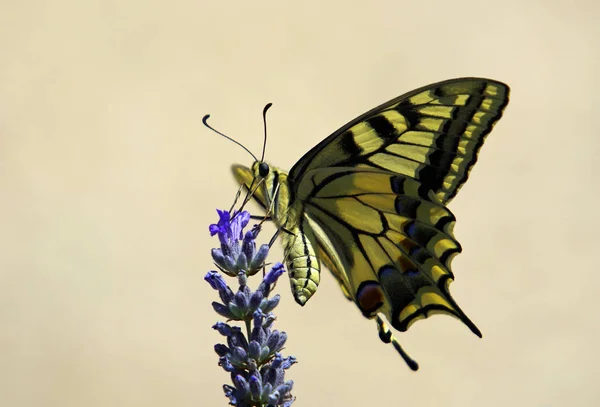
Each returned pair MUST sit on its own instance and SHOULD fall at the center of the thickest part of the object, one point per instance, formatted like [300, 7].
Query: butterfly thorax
[273, 185]
[298, 239]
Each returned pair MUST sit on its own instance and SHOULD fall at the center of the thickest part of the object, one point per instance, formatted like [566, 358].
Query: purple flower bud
[273, 341]
[241, 383]
[228, 390]
[273, 398]
[257, 317]
[229, 266]
[226, 364]
[248, 245]
[224, 329]
[221, 349]
[277, 361]
[256, 230]
[242, 262]
[217, 255]
[237, 338]
[241, 300]
[288, 362]
[255, 386]
[259, 335]
[257, 261]
[217, 282]
[265, 353]
[267, 389]
[223, 310]
[281, 343]
[285, 387]
[239, 354]
[276, 271]
[271, 303]
[268, 320]
[256, 299]
[254, 350]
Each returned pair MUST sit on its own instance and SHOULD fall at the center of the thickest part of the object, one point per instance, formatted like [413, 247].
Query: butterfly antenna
[204, 121]
[385, 334]
[267, 107]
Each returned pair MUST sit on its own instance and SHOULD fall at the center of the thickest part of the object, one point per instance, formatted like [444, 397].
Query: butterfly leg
[237, 196]
[246, 200]
[249, 193]
[261, 217]
[386, 335]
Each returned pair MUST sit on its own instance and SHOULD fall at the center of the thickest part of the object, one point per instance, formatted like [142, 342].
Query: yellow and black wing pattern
[374, 196]
[432, 134]
[388, 241]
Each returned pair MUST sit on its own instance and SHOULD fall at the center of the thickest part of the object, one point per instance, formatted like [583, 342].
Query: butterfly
[369, 202]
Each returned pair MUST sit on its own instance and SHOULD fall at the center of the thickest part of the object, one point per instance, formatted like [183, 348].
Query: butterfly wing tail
[386, 336]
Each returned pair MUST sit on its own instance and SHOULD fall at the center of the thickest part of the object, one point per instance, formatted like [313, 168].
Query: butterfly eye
[263, 169]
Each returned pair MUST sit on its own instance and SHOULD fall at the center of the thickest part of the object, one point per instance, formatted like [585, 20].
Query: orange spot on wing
[406, 264]
[370, 298]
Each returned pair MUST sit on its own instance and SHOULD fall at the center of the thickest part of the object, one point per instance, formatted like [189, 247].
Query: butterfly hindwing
[387, 239]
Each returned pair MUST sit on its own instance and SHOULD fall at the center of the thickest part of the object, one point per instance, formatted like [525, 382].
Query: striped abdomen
[297, 237]
[301, 260]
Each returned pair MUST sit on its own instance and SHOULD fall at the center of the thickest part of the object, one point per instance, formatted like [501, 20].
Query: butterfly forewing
[432, 134]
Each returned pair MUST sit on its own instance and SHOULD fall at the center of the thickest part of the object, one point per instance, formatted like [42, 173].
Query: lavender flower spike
[252, 358]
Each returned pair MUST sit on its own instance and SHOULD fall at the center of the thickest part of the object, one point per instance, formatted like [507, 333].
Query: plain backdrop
[109, 180]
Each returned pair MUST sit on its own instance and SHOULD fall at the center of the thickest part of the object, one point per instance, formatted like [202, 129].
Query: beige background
[109, 181]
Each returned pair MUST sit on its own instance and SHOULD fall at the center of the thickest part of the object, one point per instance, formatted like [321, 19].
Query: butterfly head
[265, 179]
[262, 169]
[261, 174]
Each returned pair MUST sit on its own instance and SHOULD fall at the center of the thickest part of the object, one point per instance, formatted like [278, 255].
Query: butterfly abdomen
[297, 237]
[302, 263]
